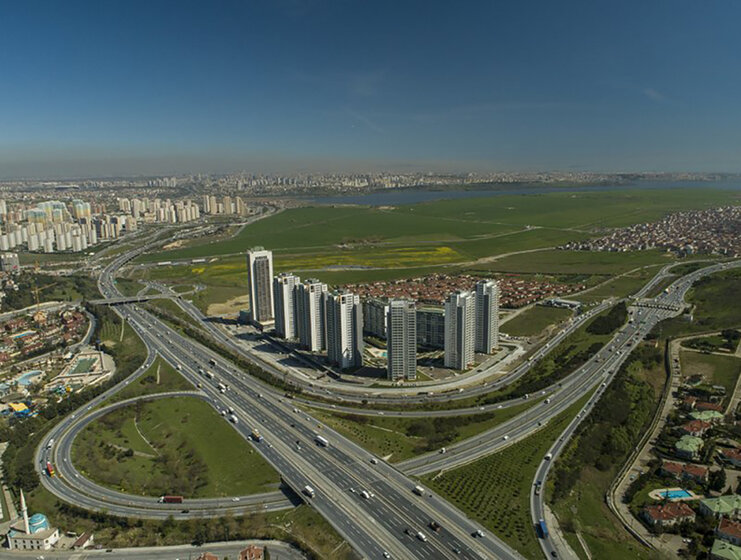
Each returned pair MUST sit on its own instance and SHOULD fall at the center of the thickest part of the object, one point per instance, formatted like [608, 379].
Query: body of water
[395, 197]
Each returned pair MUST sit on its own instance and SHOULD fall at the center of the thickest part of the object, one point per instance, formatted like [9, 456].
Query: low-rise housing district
[716, 231]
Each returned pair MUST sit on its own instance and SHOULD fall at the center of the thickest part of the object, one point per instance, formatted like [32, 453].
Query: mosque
[31, 533]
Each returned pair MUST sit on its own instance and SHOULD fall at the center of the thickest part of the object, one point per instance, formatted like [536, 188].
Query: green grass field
[402, 438]
[535, 320]
[161, 377]
[178, 445]
[128, 287]
[584, 262]
[619, 286]
[128, 351]
[495, 490]
[717, 370]
[479, 226]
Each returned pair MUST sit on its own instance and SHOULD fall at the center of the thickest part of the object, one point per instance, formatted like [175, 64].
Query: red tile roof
[730, 528]
[669, 511]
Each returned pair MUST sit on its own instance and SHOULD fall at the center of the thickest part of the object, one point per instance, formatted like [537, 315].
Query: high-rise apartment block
[487, 316]
[460, 326]
[311, 314]
[431, 327]
[284, 299]
[401, 340]
[344, 330]
[374, 317]
[260, 281]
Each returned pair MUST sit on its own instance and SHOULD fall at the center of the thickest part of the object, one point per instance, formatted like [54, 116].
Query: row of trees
[609, 322]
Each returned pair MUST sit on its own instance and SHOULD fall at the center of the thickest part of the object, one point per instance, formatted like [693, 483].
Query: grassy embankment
[161, 377]
[176, 445]
[402, 438]
[535, 320]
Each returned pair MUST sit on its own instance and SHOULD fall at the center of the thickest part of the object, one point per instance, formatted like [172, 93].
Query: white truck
[309, 491]
[418, 490]
[321, 441]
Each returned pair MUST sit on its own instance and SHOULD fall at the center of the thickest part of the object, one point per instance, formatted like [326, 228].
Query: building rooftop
[725, 550]
[691, 444]
[706, 415]
[729, 528]
[668, 511]
[723, 504]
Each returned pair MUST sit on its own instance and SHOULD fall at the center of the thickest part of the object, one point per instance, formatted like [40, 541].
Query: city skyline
[309, 86]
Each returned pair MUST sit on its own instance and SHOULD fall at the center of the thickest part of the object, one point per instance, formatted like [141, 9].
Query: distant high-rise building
[487, 316]
[284, 299]
[311, 314]
[460, 323]
[344, 330]
[260, 281]
[401, 340]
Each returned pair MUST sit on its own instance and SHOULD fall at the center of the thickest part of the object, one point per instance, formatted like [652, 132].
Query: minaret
[24, 510]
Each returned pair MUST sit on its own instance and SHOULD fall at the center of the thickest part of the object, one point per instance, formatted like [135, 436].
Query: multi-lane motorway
[368, 501]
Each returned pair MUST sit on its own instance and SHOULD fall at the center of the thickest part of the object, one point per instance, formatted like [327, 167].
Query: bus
[542, 529]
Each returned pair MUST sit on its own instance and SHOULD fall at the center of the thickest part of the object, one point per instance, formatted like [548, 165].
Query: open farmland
[481, 226]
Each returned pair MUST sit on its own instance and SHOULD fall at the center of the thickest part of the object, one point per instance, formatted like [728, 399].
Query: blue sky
[125, 87]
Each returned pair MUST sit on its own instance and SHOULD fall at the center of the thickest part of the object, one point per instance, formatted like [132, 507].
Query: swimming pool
[675, 494]
[24, 380]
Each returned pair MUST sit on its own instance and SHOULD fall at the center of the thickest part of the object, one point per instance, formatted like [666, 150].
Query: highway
[278, 550]
[673, 295]
[339, 473]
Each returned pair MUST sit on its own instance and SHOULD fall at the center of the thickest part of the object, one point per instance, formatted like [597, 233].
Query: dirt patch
[174, 245]
[229, 307]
